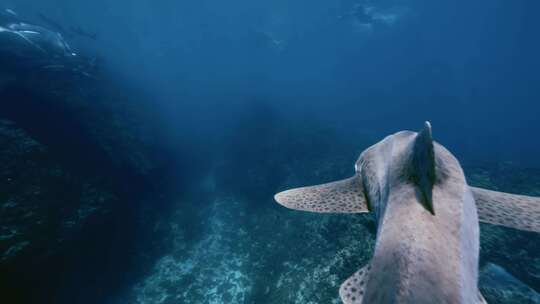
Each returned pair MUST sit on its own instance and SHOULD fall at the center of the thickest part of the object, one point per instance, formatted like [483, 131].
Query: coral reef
[77, 161]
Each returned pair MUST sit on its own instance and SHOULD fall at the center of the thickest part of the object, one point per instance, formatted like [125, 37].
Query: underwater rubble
[263, 258]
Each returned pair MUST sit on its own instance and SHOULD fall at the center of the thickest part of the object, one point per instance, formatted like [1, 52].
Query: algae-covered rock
[42, 204]
[273, 256]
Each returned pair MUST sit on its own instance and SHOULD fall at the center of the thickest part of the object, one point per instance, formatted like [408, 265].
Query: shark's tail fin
[422, 169]
[510, 210]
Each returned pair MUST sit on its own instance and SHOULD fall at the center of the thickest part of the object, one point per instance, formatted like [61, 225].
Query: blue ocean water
[142, 142]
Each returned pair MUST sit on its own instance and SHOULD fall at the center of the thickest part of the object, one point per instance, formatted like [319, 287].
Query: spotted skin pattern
[425, 253]
[510, 210]
[353, 289]
[343, 196]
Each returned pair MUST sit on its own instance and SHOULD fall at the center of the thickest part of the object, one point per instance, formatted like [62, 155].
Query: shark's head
[404, 159]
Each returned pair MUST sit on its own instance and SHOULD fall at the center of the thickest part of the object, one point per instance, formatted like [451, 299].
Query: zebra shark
[427, 241]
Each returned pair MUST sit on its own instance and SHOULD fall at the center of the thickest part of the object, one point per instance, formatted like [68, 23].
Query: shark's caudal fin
[353, 289]
[510, 210]
[423, 166]
[345, 196]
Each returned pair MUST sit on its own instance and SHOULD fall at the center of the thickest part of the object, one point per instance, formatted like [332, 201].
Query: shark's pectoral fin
[345, 196]
[353, 289]
[510, 210]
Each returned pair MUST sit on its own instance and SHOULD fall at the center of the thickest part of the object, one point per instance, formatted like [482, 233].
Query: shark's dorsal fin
[423, 166]
[345, 196]
[505, 209]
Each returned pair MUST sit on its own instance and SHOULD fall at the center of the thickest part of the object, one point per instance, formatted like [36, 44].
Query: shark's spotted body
[428, 236]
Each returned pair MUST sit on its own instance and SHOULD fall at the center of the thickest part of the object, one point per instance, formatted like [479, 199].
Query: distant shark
[427, 243]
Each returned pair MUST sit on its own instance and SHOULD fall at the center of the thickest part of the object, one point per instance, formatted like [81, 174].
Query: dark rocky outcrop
[83, 172]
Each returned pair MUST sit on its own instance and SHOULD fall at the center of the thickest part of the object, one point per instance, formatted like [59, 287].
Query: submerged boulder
[41, 203]
[43, 207]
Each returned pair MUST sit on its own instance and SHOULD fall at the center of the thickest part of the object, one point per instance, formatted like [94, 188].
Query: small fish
[427, 243]
[11, 12]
